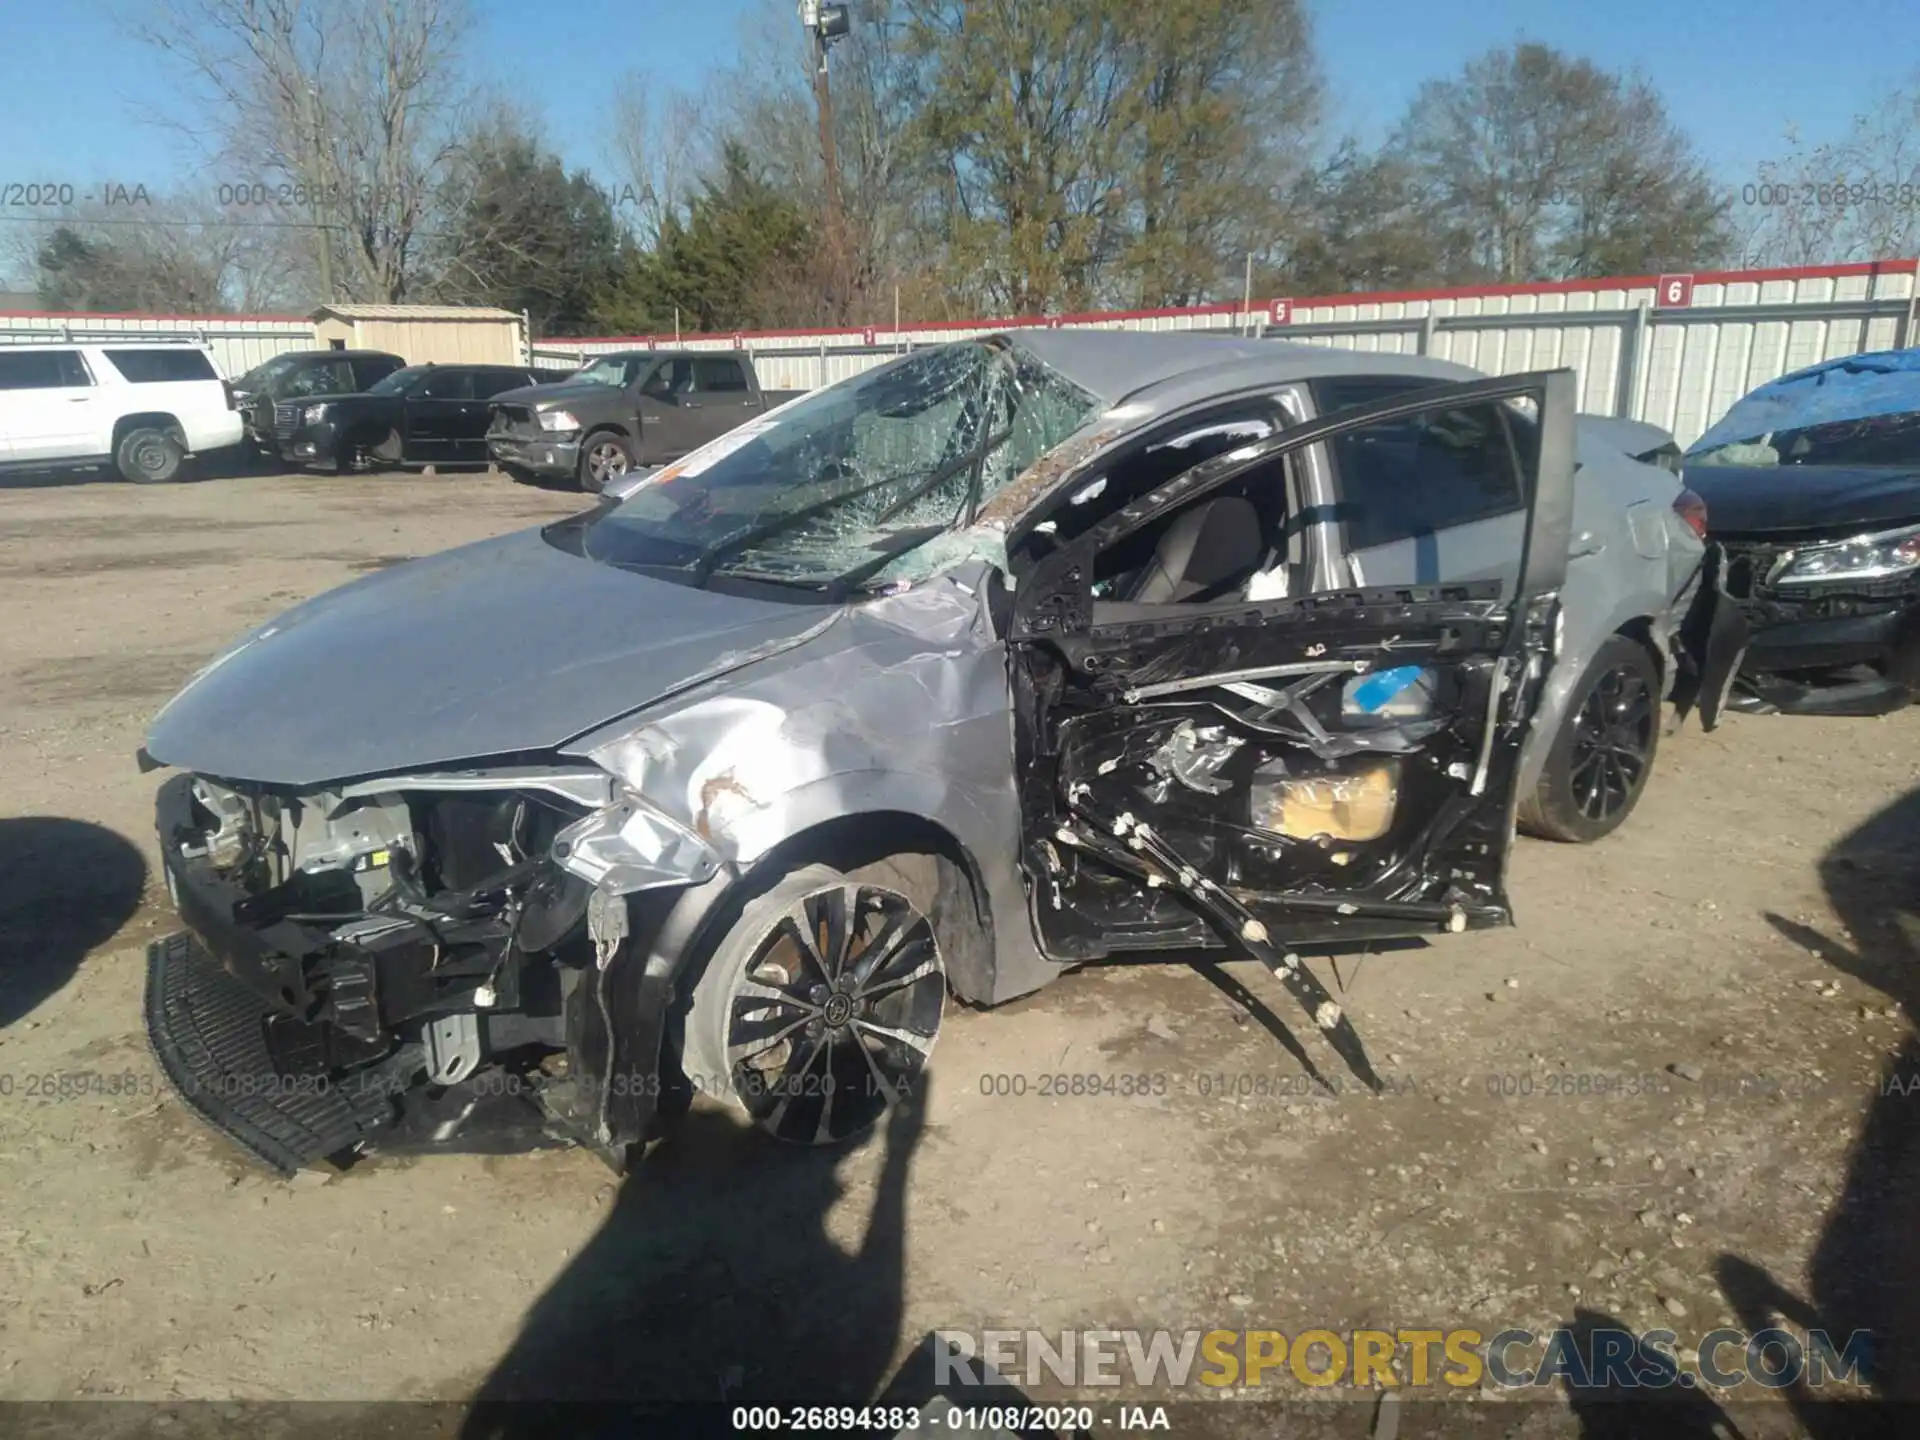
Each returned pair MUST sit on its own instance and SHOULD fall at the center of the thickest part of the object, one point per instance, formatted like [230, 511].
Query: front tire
[148, 456]
[818, 1008]
[603, 457]
[1603, 754]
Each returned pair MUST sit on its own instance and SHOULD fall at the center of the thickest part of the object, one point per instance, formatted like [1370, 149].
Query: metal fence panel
[1679, 365]
[238, 343]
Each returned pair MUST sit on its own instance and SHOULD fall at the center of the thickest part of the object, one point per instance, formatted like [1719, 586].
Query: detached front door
[1199, 768]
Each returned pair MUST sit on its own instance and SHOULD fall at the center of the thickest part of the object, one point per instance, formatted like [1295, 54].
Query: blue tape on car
[1377, 690]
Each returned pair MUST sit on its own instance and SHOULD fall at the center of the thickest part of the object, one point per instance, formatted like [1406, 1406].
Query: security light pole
[824, 25]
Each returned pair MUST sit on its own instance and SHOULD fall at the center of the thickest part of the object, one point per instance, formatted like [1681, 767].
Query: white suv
[142, 407]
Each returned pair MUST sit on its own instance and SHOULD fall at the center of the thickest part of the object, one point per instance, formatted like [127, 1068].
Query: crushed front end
[1835, 621]
[415, 961]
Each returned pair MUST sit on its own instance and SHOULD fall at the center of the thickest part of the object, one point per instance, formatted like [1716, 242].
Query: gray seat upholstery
[1204, 547]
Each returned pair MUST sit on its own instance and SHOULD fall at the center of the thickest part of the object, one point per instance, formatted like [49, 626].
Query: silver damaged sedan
[1009, 656]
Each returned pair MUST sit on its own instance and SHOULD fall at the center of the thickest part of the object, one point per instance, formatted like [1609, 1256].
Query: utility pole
[824, 25]
[318, 175]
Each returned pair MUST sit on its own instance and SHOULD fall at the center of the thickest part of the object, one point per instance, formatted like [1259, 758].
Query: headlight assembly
[558, 420]
[629, 846]
[313, 414]
[1865, 557]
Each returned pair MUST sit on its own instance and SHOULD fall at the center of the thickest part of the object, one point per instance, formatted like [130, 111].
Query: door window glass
[719, 375]
[41, 369]
[671, 378]
[156, 367]
[1412, 477]
[448, 384]
[1424, 473]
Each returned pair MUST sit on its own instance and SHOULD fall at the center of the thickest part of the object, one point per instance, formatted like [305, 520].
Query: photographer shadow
[1864, 1273]
[716, 1278]
[66, 886]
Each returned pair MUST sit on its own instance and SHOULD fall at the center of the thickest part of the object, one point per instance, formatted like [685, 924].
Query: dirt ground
[1660, 1099]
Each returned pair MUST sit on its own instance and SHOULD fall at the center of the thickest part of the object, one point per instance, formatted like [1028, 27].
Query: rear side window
[159, 367]
[1428, 472]
[718, 375]
[41, 369]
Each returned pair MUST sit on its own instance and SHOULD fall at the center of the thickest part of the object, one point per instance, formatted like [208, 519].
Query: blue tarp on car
[1856, 387]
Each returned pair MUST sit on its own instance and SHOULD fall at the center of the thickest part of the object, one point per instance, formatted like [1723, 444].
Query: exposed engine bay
[407, 936]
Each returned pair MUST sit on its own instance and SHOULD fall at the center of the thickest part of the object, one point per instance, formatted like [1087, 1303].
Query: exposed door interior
[1212, 751]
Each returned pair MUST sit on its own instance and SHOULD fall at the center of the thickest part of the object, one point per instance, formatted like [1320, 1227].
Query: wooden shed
[443, 334]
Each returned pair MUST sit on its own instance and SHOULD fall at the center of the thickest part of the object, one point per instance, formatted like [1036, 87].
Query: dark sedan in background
[1812, 486]
[421, 415]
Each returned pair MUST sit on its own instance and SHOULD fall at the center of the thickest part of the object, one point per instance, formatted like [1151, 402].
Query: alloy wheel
[605, 462]
[1612, 743]
[833, 1018]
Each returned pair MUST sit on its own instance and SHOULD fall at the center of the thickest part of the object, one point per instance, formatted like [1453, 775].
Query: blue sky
[80, 92]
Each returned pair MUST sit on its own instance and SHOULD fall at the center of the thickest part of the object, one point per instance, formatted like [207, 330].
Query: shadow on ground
[65, 887]
[1865, 1271]
[715, 1278]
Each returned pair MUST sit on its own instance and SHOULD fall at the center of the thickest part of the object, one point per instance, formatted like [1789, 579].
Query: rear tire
[816, 1044]
[149, 456]
[1602, 758]
[603, 457]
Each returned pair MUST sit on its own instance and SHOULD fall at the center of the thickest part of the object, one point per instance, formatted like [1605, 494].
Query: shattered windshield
[853, 484]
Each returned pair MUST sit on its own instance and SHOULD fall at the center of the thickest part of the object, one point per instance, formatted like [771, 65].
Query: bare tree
[346, 112]
[177, 253]
[1855, 198]
[662, 142]
[1558, 168]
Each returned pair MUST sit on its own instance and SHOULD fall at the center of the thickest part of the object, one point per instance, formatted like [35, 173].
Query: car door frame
[436, 443]
[724, 410]
[72, 426]
[666, 419]
[1053, 609]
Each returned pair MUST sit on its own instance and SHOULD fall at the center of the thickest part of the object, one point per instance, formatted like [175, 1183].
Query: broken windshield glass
[870, 470]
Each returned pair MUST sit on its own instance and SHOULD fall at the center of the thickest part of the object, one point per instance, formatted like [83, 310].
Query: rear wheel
[818, 1008]
[1601, 759]
[149, 456]
[603, 457]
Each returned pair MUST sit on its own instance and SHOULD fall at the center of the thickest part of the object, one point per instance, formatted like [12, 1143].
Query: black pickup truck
[421, 415]
[626, 411]
[299, 375]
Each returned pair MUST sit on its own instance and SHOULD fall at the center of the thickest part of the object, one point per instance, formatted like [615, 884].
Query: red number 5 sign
[1674, 291]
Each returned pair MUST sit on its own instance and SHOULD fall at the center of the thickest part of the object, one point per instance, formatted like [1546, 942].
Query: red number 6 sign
[1674, 292]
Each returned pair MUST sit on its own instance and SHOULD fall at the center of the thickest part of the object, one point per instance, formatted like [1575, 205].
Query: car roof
[337, 355]
[101, 342]
[1114, 365]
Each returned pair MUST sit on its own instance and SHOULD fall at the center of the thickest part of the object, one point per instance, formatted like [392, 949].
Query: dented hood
[492, 649]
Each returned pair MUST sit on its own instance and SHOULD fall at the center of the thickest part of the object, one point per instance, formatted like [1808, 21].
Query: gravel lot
[1660, 1098]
